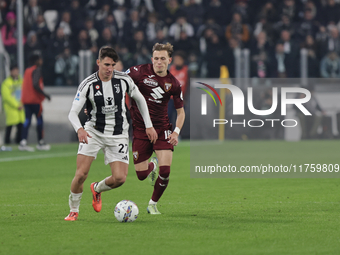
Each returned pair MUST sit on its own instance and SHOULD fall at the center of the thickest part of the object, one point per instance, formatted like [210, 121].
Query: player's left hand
[83, 135]
[152, 134]
[173, 138]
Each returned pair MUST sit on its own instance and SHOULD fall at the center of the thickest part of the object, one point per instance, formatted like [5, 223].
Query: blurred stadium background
[259, 42]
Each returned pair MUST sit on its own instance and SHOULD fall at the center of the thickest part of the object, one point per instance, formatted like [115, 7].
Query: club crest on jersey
[117, 87]
[150, 82]
[97, 87]
[135, 155]
[167, 86]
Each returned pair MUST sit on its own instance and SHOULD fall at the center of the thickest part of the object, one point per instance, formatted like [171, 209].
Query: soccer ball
[126, 211]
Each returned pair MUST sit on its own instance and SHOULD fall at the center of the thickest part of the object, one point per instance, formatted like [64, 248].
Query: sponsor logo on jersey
[116, 86]
[97, 87]
[109, 100]
[154, 100]
[150, 82]
[127, 71]
[109, 109]
[135, 68]
[135, 155]
[98, 93]
[157, 93]
[167, 86]
[150, 76]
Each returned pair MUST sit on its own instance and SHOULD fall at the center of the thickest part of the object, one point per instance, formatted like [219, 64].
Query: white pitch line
[37, 156]
[183, 144]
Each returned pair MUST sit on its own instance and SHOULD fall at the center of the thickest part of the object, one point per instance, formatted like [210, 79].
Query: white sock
[101, 186]
[151, 202]
[74, 201]
[154, 166]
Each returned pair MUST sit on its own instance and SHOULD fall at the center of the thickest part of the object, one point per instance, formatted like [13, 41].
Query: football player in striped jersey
[106, 128]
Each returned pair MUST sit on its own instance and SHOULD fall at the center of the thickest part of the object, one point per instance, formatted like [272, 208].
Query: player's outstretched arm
[143, 108]
[173, 138]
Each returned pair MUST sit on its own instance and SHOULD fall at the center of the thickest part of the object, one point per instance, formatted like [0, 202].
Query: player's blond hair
[160, 46]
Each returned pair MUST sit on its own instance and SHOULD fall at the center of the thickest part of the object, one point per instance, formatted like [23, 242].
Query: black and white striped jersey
[105, 103]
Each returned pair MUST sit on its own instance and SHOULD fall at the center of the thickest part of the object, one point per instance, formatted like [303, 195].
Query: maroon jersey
[157, 92]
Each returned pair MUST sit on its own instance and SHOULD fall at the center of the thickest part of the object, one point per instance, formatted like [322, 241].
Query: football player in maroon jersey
[157, 85]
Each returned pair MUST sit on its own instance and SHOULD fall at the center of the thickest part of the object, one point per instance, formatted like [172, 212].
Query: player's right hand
[82, 135]
[152, 134]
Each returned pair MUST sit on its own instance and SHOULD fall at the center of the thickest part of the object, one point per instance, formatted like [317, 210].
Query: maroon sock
[143, 174]
[161, 183]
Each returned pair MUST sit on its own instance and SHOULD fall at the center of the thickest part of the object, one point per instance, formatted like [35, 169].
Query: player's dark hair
[33, 60]
[107, 51]
[159, 47]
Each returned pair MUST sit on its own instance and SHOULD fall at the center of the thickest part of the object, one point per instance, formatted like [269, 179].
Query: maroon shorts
[142, 148]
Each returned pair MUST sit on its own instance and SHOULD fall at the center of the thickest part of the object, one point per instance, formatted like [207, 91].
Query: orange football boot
[96, 200]
[73, 216]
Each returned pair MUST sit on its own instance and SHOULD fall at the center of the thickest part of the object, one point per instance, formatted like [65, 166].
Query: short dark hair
[181, 54]
[159, 47]
[34, 59]
[107, 51]
[15, 66]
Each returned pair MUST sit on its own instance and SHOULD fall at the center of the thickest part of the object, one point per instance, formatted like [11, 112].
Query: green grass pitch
[199, 216]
